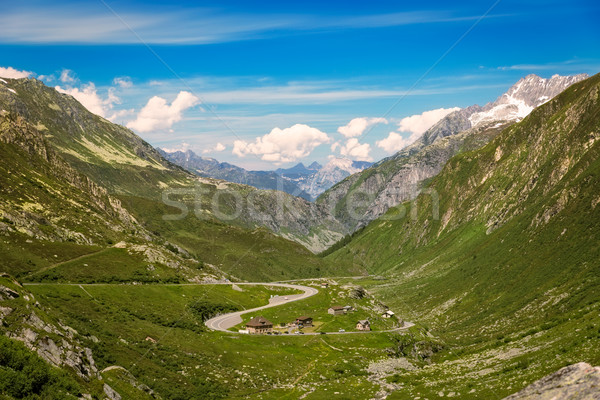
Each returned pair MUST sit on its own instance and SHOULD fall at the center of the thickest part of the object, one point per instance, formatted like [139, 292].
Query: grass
[209, 363]
[508, 276]
[317, 307]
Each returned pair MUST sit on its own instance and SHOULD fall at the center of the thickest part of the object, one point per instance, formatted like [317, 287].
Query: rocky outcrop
[56, 343]
[367, 195]
[579, 381]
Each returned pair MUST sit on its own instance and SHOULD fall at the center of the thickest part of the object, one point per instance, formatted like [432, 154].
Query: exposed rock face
[56, 343]
[528, 93]
[367, 195]
[211, 168]
[315, 181]
[111, 393]
[579, 381]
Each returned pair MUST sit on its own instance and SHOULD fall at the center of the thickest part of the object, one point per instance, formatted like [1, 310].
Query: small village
[305, 324]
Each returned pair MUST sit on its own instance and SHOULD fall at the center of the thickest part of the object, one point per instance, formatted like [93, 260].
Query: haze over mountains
[306, 182]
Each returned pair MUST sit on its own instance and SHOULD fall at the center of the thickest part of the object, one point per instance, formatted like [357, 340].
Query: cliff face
[367, 195]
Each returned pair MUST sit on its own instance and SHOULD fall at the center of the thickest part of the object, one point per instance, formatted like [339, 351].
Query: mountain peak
[528, 93]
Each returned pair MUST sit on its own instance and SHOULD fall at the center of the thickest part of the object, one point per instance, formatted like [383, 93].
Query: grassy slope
[190, 363]
[44, 123]
[509, 275]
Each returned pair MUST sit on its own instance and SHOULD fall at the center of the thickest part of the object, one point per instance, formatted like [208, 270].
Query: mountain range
[484, 234]
[299, 180]
[364, 196]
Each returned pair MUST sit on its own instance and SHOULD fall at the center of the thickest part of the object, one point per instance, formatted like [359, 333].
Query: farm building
[336, 310]
[363, 325]
[304, 321]
[259, 325]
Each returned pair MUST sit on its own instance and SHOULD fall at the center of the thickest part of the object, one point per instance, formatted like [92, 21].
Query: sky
[272, 84]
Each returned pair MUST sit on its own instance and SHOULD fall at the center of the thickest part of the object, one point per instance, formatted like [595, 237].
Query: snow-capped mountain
[331, 173]
[528, 93]
[315, 179]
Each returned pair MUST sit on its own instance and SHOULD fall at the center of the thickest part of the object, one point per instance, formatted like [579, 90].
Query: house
[363, 325]
[150, 339]
[336, 310]
[304, 321]
[259, 325]
[324, 285]
[387, 314]
[348, 308]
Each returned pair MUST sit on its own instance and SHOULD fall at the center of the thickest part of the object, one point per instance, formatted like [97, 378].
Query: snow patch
[12, 90]
[3, 81]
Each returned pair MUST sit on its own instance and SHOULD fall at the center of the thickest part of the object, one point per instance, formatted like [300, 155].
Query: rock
[579, 381]
[7, 293]
[4, 311]
[111, 393]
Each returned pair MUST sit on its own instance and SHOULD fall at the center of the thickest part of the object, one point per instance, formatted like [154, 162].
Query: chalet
[348, 308]
[259, 325]
[304, 321]
[336, 310]
[324, 285]
[387, 314]
[363, 325]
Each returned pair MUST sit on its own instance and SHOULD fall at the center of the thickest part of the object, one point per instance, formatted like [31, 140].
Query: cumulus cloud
[216, 149]
[396, 142]
[416, 125]
[66, 76]
[183, 147]
[157, 114]
[11, 73]
[355, 150]
[357, 126]
[419, 123]
[283, 145]
[123, 82]
[88, 96]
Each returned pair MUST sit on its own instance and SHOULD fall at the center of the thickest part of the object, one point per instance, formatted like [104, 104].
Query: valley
[471, 272]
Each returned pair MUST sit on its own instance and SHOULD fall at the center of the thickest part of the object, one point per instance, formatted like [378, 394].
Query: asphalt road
[226, 321]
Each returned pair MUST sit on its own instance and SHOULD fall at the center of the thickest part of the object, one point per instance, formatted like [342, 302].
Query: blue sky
[208, 75]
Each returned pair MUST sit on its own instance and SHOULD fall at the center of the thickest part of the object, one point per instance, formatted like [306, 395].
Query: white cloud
[88, 96]
[419, 123]
[217, 148]
[357, 126]
[396, 142]
[66, 76]
[283, 145]
[183, 147]
[157, 114]
[11, 73]
[123, 82]
[355, 150]
[415, 124]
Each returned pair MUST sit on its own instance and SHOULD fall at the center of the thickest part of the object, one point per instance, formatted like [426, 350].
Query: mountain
[82, 178]
[299, 170]
[211, 168]
[315, 179]
[299, 180]
[528, 93]
[364, 196]
[498, 257]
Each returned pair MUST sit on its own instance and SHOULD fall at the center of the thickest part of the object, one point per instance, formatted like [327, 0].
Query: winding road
[226, 321]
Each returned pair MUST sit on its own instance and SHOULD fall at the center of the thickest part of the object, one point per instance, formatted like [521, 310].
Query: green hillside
[506, 272]
[74, 184]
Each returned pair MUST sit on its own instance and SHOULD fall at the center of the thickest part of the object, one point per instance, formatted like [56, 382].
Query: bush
[25, 375]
